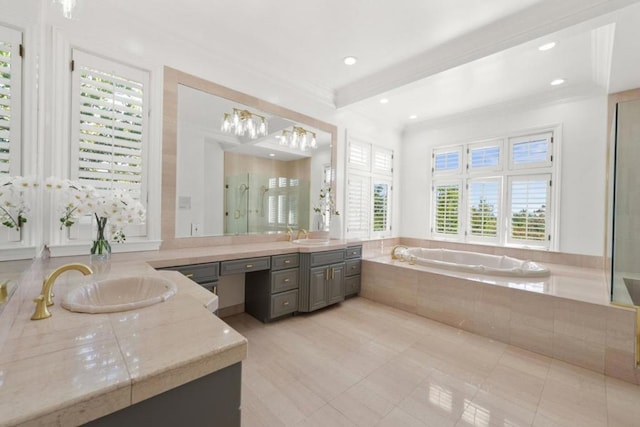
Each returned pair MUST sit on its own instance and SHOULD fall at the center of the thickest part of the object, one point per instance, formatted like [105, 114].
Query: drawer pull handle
[215, 290]
[353, 267]
[249, 265]
[354, 253]
[285, 303]
[287, 261]
[287, 280]
[189, 275]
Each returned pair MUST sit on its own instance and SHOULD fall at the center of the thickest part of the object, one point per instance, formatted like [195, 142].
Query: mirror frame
[172, 79]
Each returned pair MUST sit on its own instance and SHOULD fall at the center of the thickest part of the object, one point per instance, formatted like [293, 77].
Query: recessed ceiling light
[384, 101]
[547, 46]
[413, 116]
[271, 155]
[350, 60]
[557, 82]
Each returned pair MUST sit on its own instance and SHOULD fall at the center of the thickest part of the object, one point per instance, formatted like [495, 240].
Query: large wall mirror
[218, 184]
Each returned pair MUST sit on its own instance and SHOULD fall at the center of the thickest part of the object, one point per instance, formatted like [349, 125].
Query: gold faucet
[304, 232]
[290, 233]
[45, 300]
[4, 296]
[394, 249]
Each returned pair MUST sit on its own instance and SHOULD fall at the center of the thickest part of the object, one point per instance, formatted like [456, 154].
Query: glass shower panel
[625, 272]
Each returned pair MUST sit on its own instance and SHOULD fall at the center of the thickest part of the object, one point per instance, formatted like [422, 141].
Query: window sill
[8, 253]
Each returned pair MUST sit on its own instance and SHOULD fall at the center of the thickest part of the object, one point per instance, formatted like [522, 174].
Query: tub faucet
[304, 232]
[45, 300]
[395, 248]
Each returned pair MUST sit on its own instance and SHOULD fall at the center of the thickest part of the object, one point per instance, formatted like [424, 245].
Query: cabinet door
[318, 288]
[335, 284]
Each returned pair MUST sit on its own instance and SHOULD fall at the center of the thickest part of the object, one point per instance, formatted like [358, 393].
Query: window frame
[452, 149]
[504, 174]
[461, 196]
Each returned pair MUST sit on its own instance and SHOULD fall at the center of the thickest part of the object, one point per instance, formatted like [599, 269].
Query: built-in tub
[496, 265]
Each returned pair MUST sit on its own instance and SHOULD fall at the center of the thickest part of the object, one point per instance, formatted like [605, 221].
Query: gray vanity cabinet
[352, 272]
[321, 279]
[273, 293]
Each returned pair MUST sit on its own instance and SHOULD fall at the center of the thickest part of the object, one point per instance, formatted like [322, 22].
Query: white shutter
[446, 208]
[358, 206]
[382, 163]
[381, 211]
[483, 200]
[359, 155]
[447, 161]
[485, 156]
[530, 151]
[10, 100]
[528, 220]
[109, 124]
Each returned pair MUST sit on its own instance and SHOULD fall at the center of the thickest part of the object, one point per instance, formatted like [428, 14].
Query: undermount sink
[311, 241]
[121, 294]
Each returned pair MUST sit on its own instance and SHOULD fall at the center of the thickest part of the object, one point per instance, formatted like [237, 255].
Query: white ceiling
[431, 58]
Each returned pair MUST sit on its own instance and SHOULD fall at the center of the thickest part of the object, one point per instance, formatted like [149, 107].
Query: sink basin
[121, 294]
[312, 242]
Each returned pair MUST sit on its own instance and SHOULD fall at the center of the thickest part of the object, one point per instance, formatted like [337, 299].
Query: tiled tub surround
[566, 316]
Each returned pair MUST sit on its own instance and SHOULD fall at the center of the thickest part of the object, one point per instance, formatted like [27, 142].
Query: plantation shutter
[109, 124]
[382, 162]
[10, 100]
[531, 151]
[446, 205]
[358, 206]
[447, 161]
[381, 207]
[484, 209]
[484, 156]
[529, 203]
[359, 155]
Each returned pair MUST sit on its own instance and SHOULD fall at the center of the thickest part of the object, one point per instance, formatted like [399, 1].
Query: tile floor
[361, 363]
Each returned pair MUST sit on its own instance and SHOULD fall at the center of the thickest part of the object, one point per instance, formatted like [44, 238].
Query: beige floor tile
[623, 403]
[327, 416]
[362, 405]
[516, 386]
[487, 409]
[397, 418]
[526, 361]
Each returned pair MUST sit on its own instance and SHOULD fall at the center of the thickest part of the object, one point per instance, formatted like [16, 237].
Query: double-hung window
[369, 190]
[495, 192]
[109, 128]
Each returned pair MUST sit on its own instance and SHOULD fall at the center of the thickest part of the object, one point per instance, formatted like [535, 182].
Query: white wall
[583, 162]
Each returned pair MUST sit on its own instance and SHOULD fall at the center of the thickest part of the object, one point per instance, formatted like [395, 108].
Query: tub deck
[566, 316]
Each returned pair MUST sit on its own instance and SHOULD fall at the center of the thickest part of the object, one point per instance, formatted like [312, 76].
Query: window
[109, 127]
[369, 190]
[10, 100]
[504, 202]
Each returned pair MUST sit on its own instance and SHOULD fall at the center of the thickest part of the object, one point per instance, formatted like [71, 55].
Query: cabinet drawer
[199, 273]
[284, 280]
[284, 303]
[353, 267]
[279, 262]
[352, 285]
[327, 257]
[354, 252]
[245, 265]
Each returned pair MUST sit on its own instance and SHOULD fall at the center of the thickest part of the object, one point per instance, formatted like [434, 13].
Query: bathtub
[496, 265]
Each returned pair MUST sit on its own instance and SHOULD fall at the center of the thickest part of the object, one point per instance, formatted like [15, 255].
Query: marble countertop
[74, 367]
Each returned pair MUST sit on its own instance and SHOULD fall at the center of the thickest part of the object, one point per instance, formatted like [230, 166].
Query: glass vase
[100, 258]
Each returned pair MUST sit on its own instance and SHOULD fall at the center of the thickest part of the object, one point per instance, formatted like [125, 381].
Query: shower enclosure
[623, 248]
[256, 203]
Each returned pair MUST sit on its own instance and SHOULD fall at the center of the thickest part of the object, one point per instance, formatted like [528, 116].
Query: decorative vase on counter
[335, 227]
[100, 258]
[318, 223]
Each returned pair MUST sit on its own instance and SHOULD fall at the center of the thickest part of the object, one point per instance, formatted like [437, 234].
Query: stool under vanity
[282, 285]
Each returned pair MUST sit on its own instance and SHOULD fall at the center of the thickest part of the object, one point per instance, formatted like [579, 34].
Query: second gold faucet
[45, 300]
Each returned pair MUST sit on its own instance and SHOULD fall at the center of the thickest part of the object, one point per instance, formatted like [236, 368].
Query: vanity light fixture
[244, 122]
[298, 138]
[547, 46]
[67, 7]
[557, 82]
[350, 60]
